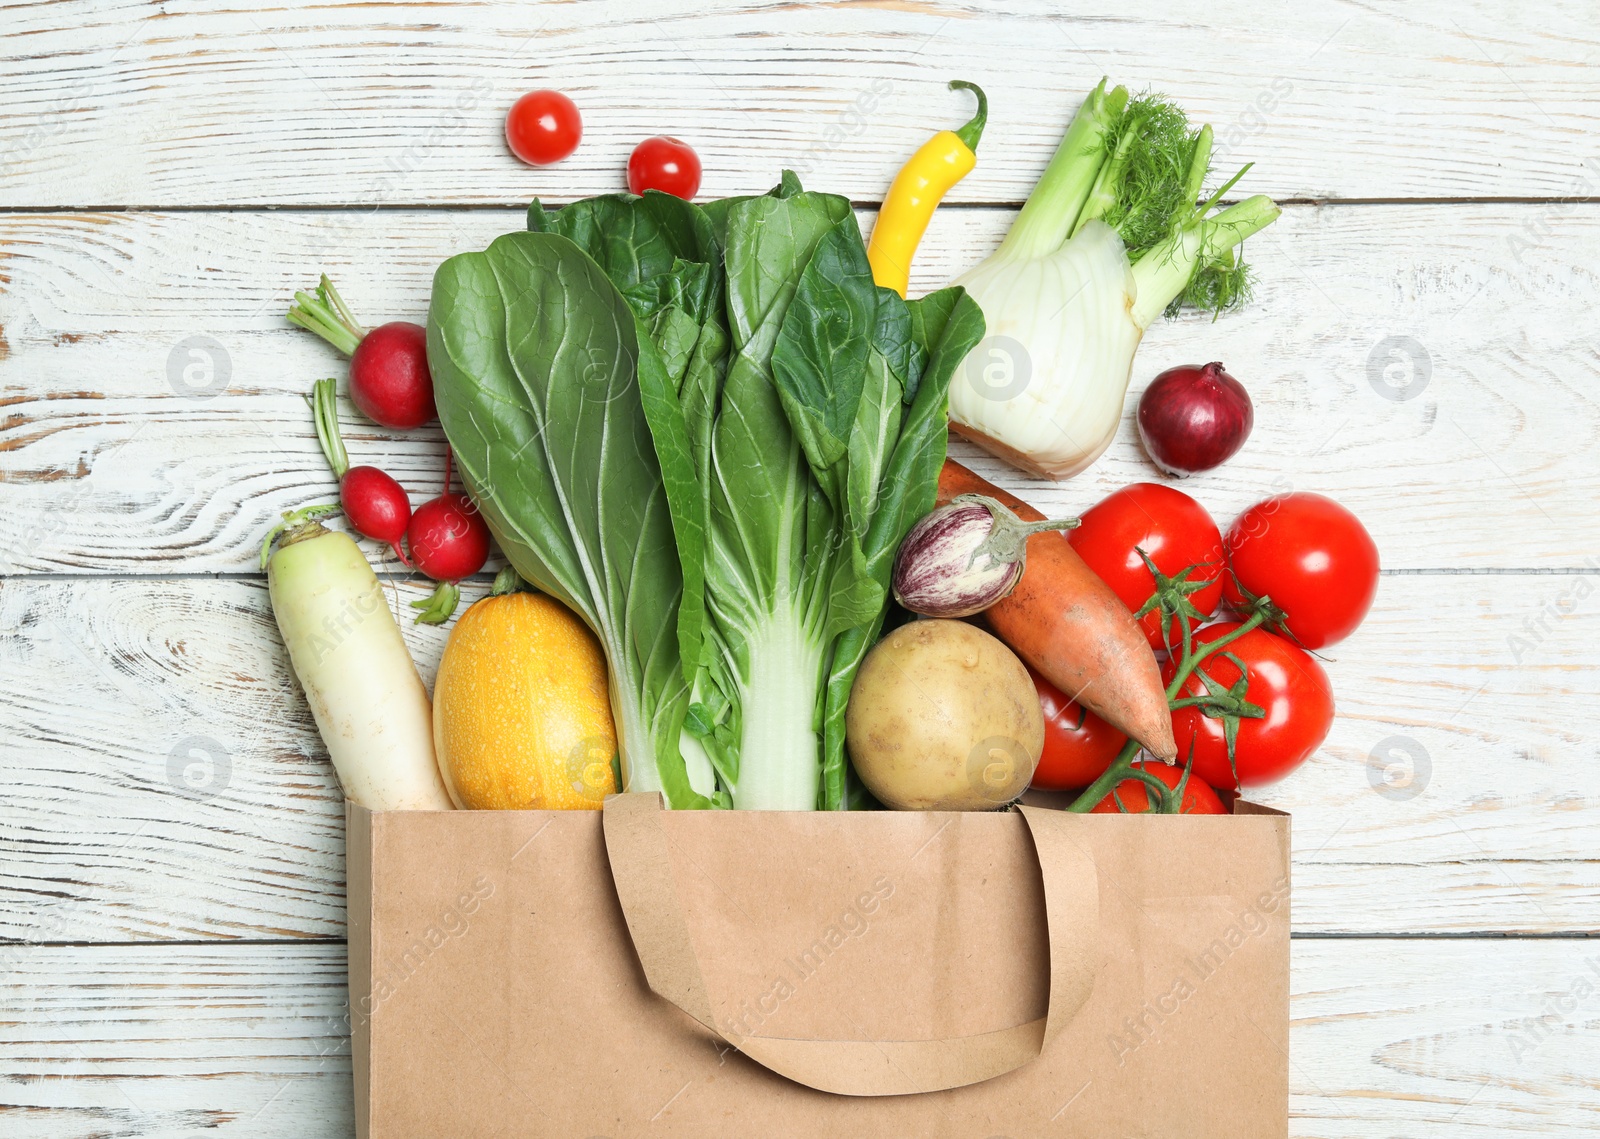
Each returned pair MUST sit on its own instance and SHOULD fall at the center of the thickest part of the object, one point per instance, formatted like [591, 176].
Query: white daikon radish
[364, 691]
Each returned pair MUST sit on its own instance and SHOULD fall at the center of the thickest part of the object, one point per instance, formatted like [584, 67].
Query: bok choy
[1110, 238]
[706, 430]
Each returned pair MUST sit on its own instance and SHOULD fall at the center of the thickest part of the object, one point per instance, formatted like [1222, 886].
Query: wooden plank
[374, 104]
[189, 738]
[165, 781]
[116, 459]
[1430, 1040]
[246, 1040]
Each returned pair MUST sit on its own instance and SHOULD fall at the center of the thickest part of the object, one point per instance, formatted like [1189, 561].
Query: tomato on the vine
[1286, 683]
[543, 127]
[1173, 529]
[666, 164]
[1134, 796]
[1311, 558]
[1078, 745]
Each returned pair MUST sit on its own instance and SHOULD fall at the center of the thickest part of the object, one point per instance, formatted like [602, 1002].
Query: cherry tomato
[1289, 686]
[1198, 799]
[543, 127]
[665, 164]
[1311, 558]
[1078, 745]
[1172, 528]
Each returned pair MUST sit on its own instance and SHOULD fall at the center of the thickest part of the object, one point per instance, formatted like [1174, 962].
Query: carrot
[1065, 622]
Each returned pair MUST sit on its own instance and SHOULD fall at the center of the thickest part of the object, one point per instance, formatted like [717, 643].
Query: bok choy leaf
[762, 425]
[535, 359]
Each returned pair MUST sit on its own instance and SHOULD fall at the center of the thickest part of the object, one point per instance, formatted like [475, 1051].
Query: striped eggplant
[963, 557]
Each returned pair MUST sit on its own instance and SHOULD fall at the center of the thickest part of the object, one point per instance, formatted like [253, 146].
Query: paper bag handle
[636, 844]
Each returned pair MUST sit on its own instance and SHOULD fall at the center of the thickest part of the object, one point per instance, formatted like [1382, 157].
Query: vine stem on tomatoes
[374, 502]
[1122, 768]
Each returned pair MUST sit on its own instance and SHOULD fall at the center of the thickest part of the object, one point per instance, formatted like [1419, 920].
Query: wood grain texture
[161, 1042]
[1426, 1040]
[116, 460]
[187, 759]
[393, 104]
[165, 781]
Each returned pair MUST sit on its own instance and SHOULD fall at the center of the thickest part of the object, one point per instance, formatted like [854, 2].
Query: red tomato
[1078, 745]
[1286, 682]
[665, 164]
[1311, 557]
[543, 127]
[1198, 799]
[1167, 524]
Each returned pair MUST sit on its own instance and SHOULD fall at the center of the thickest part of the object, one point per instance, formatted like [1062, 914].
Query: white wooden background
[171, 956]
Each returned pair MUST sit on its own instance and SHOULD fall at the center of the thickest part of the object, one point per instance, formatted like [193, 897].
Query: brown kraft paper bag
[640, 972]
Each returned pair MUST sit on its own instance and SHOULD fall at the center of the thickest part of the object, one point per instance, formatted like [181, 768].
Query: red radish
[375, 504]
[1194, 418]
[448, 538]
[389, 379]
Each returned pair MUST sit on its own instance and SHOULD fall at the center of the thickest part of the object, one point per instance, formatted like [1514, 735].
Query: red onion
[1194, 418]
[963, 557]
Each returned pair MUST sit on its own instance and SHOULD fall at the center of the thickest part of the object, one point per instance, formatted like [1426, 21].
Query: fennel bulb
[1110, 237]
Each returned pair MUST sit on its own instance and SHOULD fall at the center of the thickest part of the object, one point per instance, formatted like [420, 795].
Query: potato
[943, 717]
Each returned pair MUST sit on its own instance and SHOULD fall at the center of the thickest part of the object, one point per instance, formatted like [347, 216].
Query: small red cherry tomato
[543, 127]
[665, 164]
[1286, 683]
[1169, 526]
[1134, 796]
[1311, 558]
[1078, 745]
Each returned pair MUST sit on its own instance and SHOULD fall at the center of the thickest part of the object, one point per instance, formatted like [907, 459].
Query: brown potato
[943, 717]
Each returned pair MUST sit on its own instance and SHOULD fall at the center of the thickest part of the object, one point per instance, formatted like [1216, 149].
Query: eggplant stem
[1007, 540]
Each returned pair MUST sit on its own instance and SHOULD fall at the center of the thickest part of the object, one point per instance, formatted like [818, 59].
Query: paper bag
[640, 972]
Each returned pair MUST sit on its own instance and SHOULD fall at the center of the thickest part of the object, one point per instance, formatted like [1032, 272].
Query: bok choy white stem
[1110, 238]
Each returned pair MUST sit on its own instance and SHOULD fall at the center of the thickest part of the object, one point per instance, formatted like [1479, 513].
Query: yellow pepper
[916, 192]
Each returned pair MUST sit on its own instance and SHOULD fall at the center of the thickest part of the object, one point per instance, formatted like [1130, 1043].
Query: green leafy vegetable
[721, 398]
[536, 366]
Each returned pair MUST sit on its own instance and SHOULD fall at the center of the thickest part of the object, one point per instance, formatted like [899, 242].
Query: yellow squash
[521, 719]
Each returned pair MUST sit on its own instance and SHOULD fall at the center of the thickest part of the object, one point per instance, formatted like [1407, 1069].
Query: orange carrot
[1065, 622]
